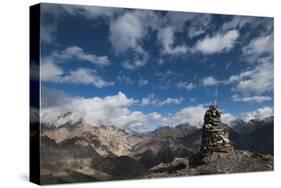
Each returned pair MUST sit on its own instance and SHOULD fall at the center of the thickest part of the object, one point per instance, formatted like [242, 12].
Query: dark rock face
[122, 167]
[256, 136]
[214, 136]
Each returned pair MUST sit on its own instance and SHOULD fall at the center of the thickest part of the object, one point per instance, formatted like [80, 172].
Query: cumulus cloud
[185, 85]
[90, 12]
[217, 43]
[257, 80]
[75, 52]
[47, 32]
[170, 100]
[96, 111]
[126, 32]
[254, 23]
[56, 12]
[209, 81]
[258, 47]
[193, 115]
[166, 38]
[116, 110]
[134, 64]
[151, 100]
[85, 76]
[238, 22]
[110, 110]
[142, 82]
[251, 98]
[51, 72]
[198, 23]
[227, 118]
[259, 114]
[254, 81]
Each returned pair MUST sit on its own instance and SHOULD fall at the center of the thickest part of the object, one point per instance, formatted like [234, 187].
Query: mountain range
[79, 152]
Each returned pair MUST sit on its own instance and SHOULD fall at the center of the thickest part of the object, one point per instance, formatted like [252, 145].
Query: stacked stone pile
[214, 136]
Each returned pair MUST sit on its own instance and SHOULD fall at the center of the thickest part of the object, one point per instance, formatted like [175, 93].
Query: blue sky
[163, 64]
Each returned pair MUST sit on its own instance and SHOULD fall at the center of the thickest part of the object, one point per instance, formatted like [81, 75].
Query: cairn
[214, 136]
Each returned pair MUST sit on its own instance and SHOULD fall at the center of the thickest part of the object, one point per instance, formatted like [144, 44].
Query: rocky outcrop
[176, 164]
[234, 161]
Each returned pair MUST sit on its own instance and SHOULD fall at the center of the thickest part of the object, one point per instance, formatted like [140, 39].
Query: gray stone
[214, 136]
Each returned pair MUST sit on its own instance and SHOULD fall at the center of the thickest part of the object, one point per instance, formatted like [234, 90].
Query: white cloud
[217, 43]
[227, 118]
[142, 82]
[75, 52]
[259, 114]
[57, 12]
[134, 64]
[178, 19]
[186, 86]
[209, 81]
[258, 47]
[115, 110]
[238, 22]
[198, 23]
[126, 32]
[166, 39]
[151, 100]
[125, 79]
[85, 76]
[251, 98]
[193, 115]
[154, 116]
[257, 80]
[110, 110]
[128, 80]
[170, 100]
[47, 32]
[90, 12]
[254, 23]
[50, 71]
[253, 81]
[146, 101]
